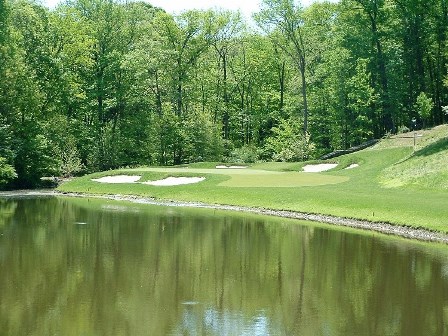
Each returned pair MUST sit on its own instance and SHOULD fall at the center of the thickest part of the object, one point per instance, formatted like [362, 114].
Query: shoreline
[381, 227]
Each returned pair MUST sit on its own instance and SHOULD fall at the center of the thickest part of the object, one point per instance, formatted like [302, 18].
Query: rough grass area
[364, 192]
[426, 167]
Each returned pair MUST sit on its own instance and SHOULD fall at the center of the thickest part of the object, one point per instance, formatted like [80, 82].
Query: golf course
[392, 182]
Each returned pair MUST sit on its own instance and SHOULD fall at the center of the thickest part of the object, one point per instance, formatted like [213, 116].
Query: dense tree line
[101, 84]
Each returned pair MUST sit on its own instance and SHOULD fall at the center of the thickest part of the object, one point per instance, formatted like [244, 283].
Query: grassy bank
[393, 183]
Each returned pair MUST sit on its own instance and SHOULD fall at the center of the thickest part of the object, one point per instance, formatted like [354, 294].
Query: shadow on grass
[436, 147]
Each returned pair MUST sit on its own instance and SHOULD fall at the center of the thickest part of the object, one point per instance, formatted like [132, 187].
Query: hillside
[426, 167]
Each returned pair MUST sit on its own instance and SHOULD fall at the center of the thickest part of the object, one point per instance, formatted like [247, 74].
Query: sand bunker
[319, 167]
[118, 179]
[172, 181]
[230, 167]
[353, 165]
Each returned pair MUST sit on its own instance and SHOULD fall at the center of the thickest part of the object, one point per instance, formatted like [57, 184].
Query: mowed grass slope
[427, 167]
[378, 190]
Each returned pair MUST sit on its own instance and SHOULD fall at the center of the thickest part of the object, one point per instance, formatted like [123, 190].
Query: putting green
[255, 177]
[283, 180]
[244, 171]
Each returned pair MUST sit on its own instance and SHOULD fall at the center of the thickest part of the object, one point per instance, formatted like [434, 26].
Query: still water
[93, 267]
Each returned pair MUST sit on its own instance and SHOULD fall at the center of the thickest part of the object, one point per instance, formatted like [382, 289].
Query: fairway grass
[252, 178]
[367, 192]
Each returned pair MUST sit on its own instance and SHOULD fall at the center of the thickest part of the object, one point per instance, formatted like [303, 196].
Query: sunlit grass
[356, 193]
[284, 180]
[426, 167]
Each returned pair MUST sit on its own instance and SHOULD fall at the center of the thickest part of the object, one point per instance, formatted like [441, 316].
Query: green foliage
[6, 143]
[7, 173]
[69, 160]
[169, 138]
[64, 146]
[424, 105]
[34, 157]
[244, 154]
[288, 143]
[355, 193]
[445, 109]
[202, 138]
[283, 20]
[108, 84]
[361, 97]
[3, 21]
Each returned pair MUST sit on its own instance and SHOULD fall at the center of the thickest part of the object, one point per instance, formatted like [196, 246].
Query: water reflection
[209, 321]
[90, 267]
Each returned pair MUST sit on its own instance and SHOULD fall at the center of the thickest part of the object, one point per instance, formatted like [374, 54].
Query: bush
[34, 156]
[403, 129]
[202, 138]
[7, 173]
[288, 143]
[245, 154]
[424, 105]
[445, 109]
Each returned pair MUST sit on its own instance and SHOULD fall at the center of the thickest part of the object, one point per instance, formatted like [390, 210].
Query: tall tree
[374, 11]
[225, 41]
[283, 20]
[7, 171]
[187, 36]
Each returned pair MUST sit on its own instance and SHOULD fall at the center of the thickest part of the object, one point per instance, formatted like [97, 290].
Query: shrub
[245, 154]
[424, 105]
[288, 143]
[7, 173]
[403, 129]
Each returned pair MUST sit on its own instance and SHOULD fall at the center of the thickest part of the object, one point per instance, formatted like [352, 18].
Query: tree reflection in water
[145, 270]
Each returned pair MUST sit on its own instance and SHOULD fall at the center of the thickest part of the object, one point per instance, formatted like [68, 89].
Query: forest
[101, 84]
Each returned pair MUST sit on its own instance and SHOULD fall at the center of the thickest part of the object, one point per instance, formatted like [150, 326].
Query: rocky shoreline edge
[381, 227]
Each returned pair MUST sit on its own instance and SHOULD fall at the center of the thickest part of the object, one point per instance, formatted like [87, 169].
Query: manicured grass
[283, 180]
[362, 192]
[255, 178]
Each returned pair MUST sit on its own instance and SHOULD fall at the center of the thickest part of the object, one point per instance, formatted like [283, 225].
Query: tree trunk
[282, 86]
[305, 102]
[158, 96]
[179, 89]
[225, 117]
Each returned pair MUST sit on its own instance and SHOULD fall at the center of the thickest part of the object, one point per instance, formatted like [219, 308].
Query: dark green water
[90, 267]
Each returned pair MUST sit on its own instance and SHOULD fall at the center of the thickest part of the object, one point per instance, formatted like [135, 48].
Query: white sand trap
[118, 179]
[353, 165]
[319, 167]
[230, 167]
[172, 181]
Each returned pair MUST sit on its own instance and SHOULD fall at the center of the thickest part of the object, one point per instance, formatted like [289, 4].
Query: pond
[72, 266]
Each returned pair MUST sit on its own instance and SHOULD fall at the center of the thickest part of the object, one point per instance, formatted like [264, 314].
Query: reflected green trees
[89, 267]
[7, 209]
